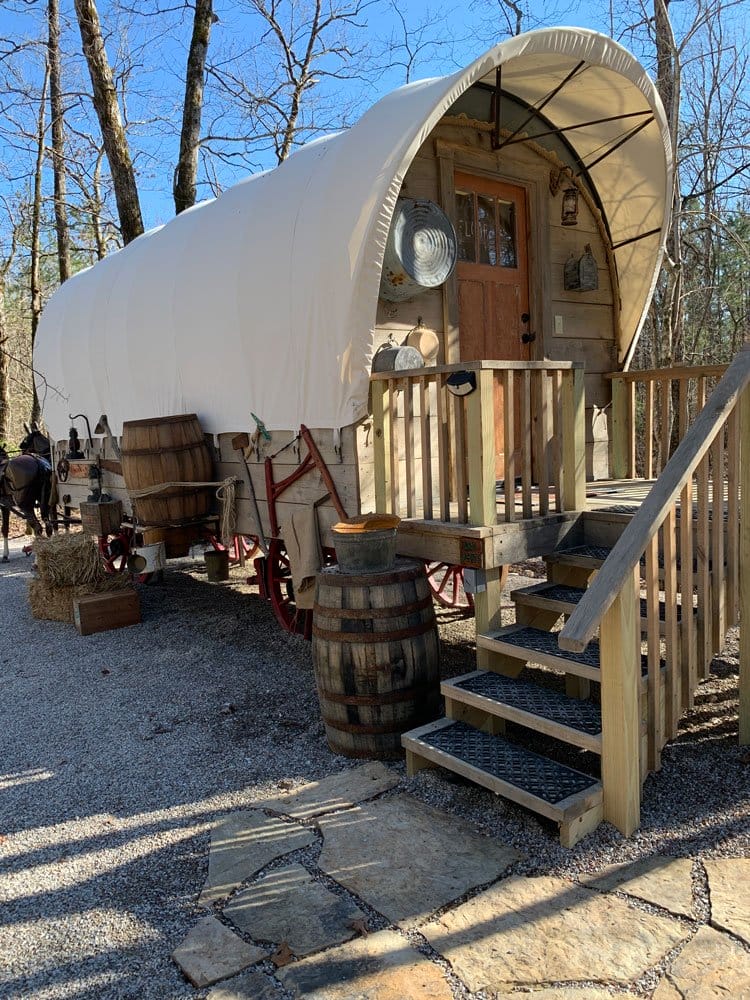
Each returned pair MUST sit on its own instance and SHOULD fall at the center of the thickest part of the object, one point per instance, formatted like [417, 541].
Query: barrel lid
[366, 522]
[178, 418]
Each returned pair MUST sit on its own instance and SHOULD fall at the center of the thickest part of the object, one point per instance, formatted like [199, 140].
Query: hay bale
[55, 604]
[67, 560]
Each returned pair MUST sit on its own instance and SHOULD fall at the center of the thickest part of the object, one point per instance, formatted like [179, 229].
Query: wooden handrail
[667, 374]
[633, 542]
[478, 366]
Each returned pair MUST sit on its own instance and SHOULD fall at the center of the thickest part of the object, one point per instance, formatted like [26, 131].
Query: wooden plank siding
[569, 325]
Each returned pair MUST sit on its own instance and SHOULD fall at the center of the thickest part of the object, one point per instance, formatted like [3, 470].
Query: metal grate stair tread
[518, 641]
[528, 698]
[589, 556]
[566, 598]
[550, 788]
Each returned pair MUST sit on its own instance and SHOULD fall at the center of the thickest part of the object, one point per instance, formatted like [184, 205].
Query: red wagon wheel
[275, 579]
[114, 551]
[447, 584]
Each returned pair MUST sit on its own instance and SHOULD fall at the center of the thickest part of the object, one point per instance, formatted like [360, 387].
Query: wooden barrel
[377, 657]
[167, 450]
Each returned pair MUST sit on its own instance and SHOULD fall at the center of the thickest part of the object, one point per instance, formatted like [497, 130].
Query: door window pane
[465, 226]
[507, 228]
[487, 229]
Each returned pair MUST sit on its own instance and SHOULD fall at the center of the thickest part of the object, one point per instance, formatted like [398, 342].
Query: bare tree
[186, 174]
[110, 120]
[284, 86]
[668, 83]
[412, 43]
[36, 215]
[58, 139]
[6, 262]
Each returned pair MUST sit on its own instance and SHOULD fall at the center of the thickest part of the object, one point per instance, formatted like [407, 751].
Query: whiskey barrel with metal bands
[167, 450]
[377, 657]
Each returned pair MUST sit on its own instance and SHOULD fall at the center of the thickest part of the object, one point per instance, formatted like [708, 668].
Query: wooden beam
[648, 432]
[674, 696]
[574, 440]
[620, 697]
[480, 441]
[381, 446]
[620, 430]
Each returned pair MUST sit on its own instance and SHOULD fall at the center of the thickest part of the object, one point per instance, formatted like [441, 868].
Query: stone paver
[380, 966]
[407, 859]
[339, 791]
[535, 930]
[729, 885]
[249, 986]
[665, 882]
[288, 905]
[710, 967]
[244, 843]
[212, 952]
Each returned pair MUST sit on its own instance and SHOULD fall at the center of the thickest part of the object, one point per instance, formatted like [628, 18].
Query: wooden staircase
[622, 596]
[630, 655]
[471, 739]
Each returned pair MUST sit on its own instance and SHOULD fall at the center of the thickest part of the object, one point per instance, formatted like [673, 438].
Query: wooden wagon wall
[570, 326]
[350, 465]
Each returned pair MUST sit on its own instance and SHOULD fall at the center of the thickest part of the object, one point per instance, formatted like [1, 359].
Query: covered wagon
[265, 331]
[262, 311]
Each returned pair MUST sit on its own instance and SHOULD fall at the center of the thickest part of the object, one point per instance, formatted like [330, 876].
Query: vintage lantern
[570, 207]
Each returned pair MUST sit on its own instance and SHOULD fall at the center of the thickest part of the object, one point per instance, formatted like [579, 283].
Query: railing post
[574, 440]
[620, 665]
[480, 445]
[620, 429]
[382, 443]
[744, 561]
[480, 442]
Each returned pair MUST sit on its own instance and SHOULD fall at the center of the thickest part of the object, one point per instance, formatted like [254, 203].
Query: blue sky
[157, 48]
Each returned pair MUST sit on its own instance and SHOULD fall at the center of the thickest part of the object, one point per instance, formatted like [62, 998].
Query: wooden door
[493, 282]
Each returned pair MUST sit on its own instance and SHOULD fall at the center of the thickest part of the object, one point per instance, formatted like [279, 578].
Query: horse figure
[36, 443]
[26, 482]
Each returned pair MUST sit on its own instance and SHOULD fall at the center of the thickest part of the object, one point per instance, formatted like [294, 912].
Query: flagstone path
[348, 890]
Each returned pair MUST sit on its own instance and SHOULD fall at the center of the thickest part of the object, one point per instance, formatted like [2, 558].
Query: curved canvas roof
[265, 298]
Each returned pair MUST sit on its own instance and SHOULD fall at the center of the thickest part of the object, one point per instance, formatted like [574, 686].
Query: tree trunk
[36, 218]
[96, 210]
[58, 140]
[4, 367]
[186, 174]
[110, 121]
[668, 85]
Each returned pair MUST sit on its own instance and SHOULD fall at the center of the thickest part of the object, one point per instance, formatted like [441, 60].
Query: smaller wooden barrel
[377, 657]
[167, 450]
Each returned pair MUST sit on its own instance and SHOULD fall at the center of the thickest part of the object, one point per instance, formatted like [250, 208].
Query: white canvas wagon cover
[264, 300]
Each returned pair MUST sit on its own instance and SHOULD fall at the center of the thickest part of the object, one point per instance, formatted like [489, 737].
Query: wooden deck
[517, 538]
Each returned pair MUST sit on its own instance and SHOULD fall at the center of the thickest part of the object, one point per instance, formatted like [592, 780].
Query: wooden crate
[102, 518]
[101, 612]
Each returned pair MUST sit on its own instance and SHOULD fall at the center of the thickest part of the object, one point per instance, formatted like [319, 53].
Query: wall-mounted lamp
[570, 207]
[461, 383]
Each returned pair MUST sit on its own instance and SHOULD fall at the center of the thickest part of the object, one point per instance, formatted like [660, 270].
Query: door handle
[528, 338]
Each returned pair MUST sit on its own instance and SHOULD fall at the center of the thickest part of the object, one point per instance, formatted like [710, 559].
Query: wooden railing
[436, 453]
[651, 412]
[686, 539]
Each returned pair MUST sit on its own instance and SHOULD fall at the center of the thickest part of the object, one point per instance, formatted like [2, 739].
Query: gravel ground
[119, 750]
